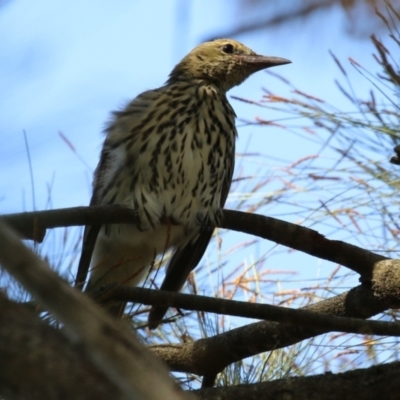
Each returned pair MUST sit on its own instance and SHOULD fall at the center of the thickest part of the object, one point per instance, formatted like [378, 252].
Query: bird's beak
[261, 62]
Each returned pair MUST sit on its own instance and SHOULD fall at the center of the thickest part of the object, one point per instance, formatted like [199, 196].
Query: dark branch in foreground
[29, 225]
[112, 349]
[30, 348]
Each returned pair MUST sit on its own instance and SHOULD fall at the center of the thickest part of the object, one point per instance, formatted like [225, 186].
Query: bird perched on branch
[169, 155]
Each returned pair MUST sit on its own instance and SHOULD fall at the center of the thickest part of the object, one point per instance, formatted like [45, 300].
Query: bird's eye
[227, 48]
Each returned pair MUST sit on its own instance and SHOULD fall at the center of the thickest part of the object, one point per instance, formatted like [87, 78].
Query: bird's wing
[119, 130]
[186, 258]
[91, 231]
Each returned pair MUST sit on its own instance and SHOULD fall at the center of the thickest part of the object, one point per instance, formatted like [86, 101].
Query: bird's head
[224, 62]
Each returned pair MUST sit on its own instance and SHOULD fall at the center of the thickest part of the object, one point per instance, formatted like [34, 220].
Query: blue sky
[65, 66]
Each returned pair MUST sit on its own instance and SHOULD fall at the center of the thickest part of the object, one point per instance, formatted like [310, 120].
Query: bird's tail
[183, 261]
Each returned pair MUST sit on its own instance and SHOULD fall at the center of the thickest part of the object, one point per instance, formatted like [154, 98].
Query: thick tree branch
[303, 239]
[285, 233]
[378, 382]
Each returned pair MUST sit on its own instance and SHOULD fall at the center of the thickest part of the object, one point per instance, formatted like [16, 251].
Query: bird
[169, 154]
